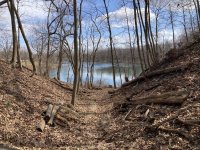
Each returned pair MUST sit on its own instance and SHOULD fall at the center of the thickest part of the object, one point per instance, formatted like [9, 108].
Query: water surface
[102, 73]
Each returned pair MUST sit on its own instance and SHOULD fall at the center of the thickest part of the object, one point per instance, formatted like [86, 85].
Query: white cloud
[168, 35]
[118, 17]
[30, 11]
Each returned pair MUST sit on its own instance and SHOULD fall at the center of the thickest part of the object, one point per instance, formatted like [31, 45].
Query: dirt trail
[96, 116]
[94, 108]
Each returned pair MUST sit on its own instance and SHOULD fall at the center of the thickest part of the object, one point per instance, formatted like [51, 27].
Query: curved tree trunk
[14, 32]
[26, 41]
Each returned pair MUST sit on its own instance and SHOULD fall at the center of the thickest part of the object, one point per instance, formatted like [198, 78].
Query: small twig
[189, 122]
[179, 132]
[128, 114]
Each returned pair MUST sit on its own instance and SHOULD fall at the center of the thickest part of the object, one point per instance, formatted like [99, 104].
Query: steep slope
[161, 126]
[22, 100]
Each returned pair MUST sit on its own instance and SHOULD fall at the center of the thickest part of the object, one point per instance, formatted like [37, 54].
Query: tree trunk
[197, 14]
[80, 68]
[11, 6]
[141, 22]
[76, 54]
[137, 35]
[3, 2]
[60, 57]
[26, 41]
[172, 23]
[111, 43]
[18, 46]
[130, 42]
[198, 8]
[156, 73]
[18, 51]
[184, 24]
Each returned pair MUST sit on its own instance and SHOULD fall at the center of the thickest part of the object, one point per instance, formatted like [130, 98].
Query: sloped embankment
[161, 109]
[22, 101]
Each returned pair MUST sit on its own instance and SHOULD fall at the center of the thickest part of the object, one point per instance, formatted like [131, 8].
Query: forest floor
[110, 119]
[24, 98]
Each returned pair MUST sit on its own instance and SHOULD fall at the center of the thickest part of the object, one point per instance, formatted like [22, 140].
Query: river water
[102, 73]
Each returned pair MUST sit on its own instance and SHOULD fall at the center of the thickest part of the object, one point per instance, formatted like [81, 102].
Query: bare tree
[137, 34]
[76, 54]
[172, 24]
[14, 32]
[38, 43]
[3, 2]
[130, 40]
[6, 46]
[158, 7]
[111, 42]
[197, 12]
[25, 40]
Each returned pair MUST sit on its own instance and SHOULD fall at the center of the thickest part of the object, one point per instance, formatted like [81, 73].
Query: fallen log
[177, 97]
[64, 115]
[67, 110]
[137, 90]
[61, 121]
[53, 113]
[171, 117]
[40, 126]
[155, 73]
[58, 115]
[59, 83]
[48, 113]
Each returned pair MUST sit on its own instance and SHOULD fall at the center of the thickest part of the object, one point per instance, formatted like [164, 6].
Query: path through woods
[96, 110]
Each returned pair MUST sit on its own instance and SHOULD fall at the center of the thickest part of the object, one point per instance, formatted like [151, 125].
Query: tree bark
[184, 24]
[137, 35]
[26, 41]
[3, 2]
[53, 113]
[130, 42]
[172, 23]
[76, 54]
[198, 8]
[111, 42]
[40, 126]
[48, 113]
[198, 16]
[11, 8]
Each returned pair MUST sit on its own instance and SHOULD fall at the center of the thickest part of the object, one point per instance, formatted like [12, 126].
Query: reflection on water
[102, 71]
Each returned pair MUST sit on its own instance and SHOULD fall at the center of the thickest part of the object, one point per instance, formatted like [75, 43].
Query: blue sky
[34, 11]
